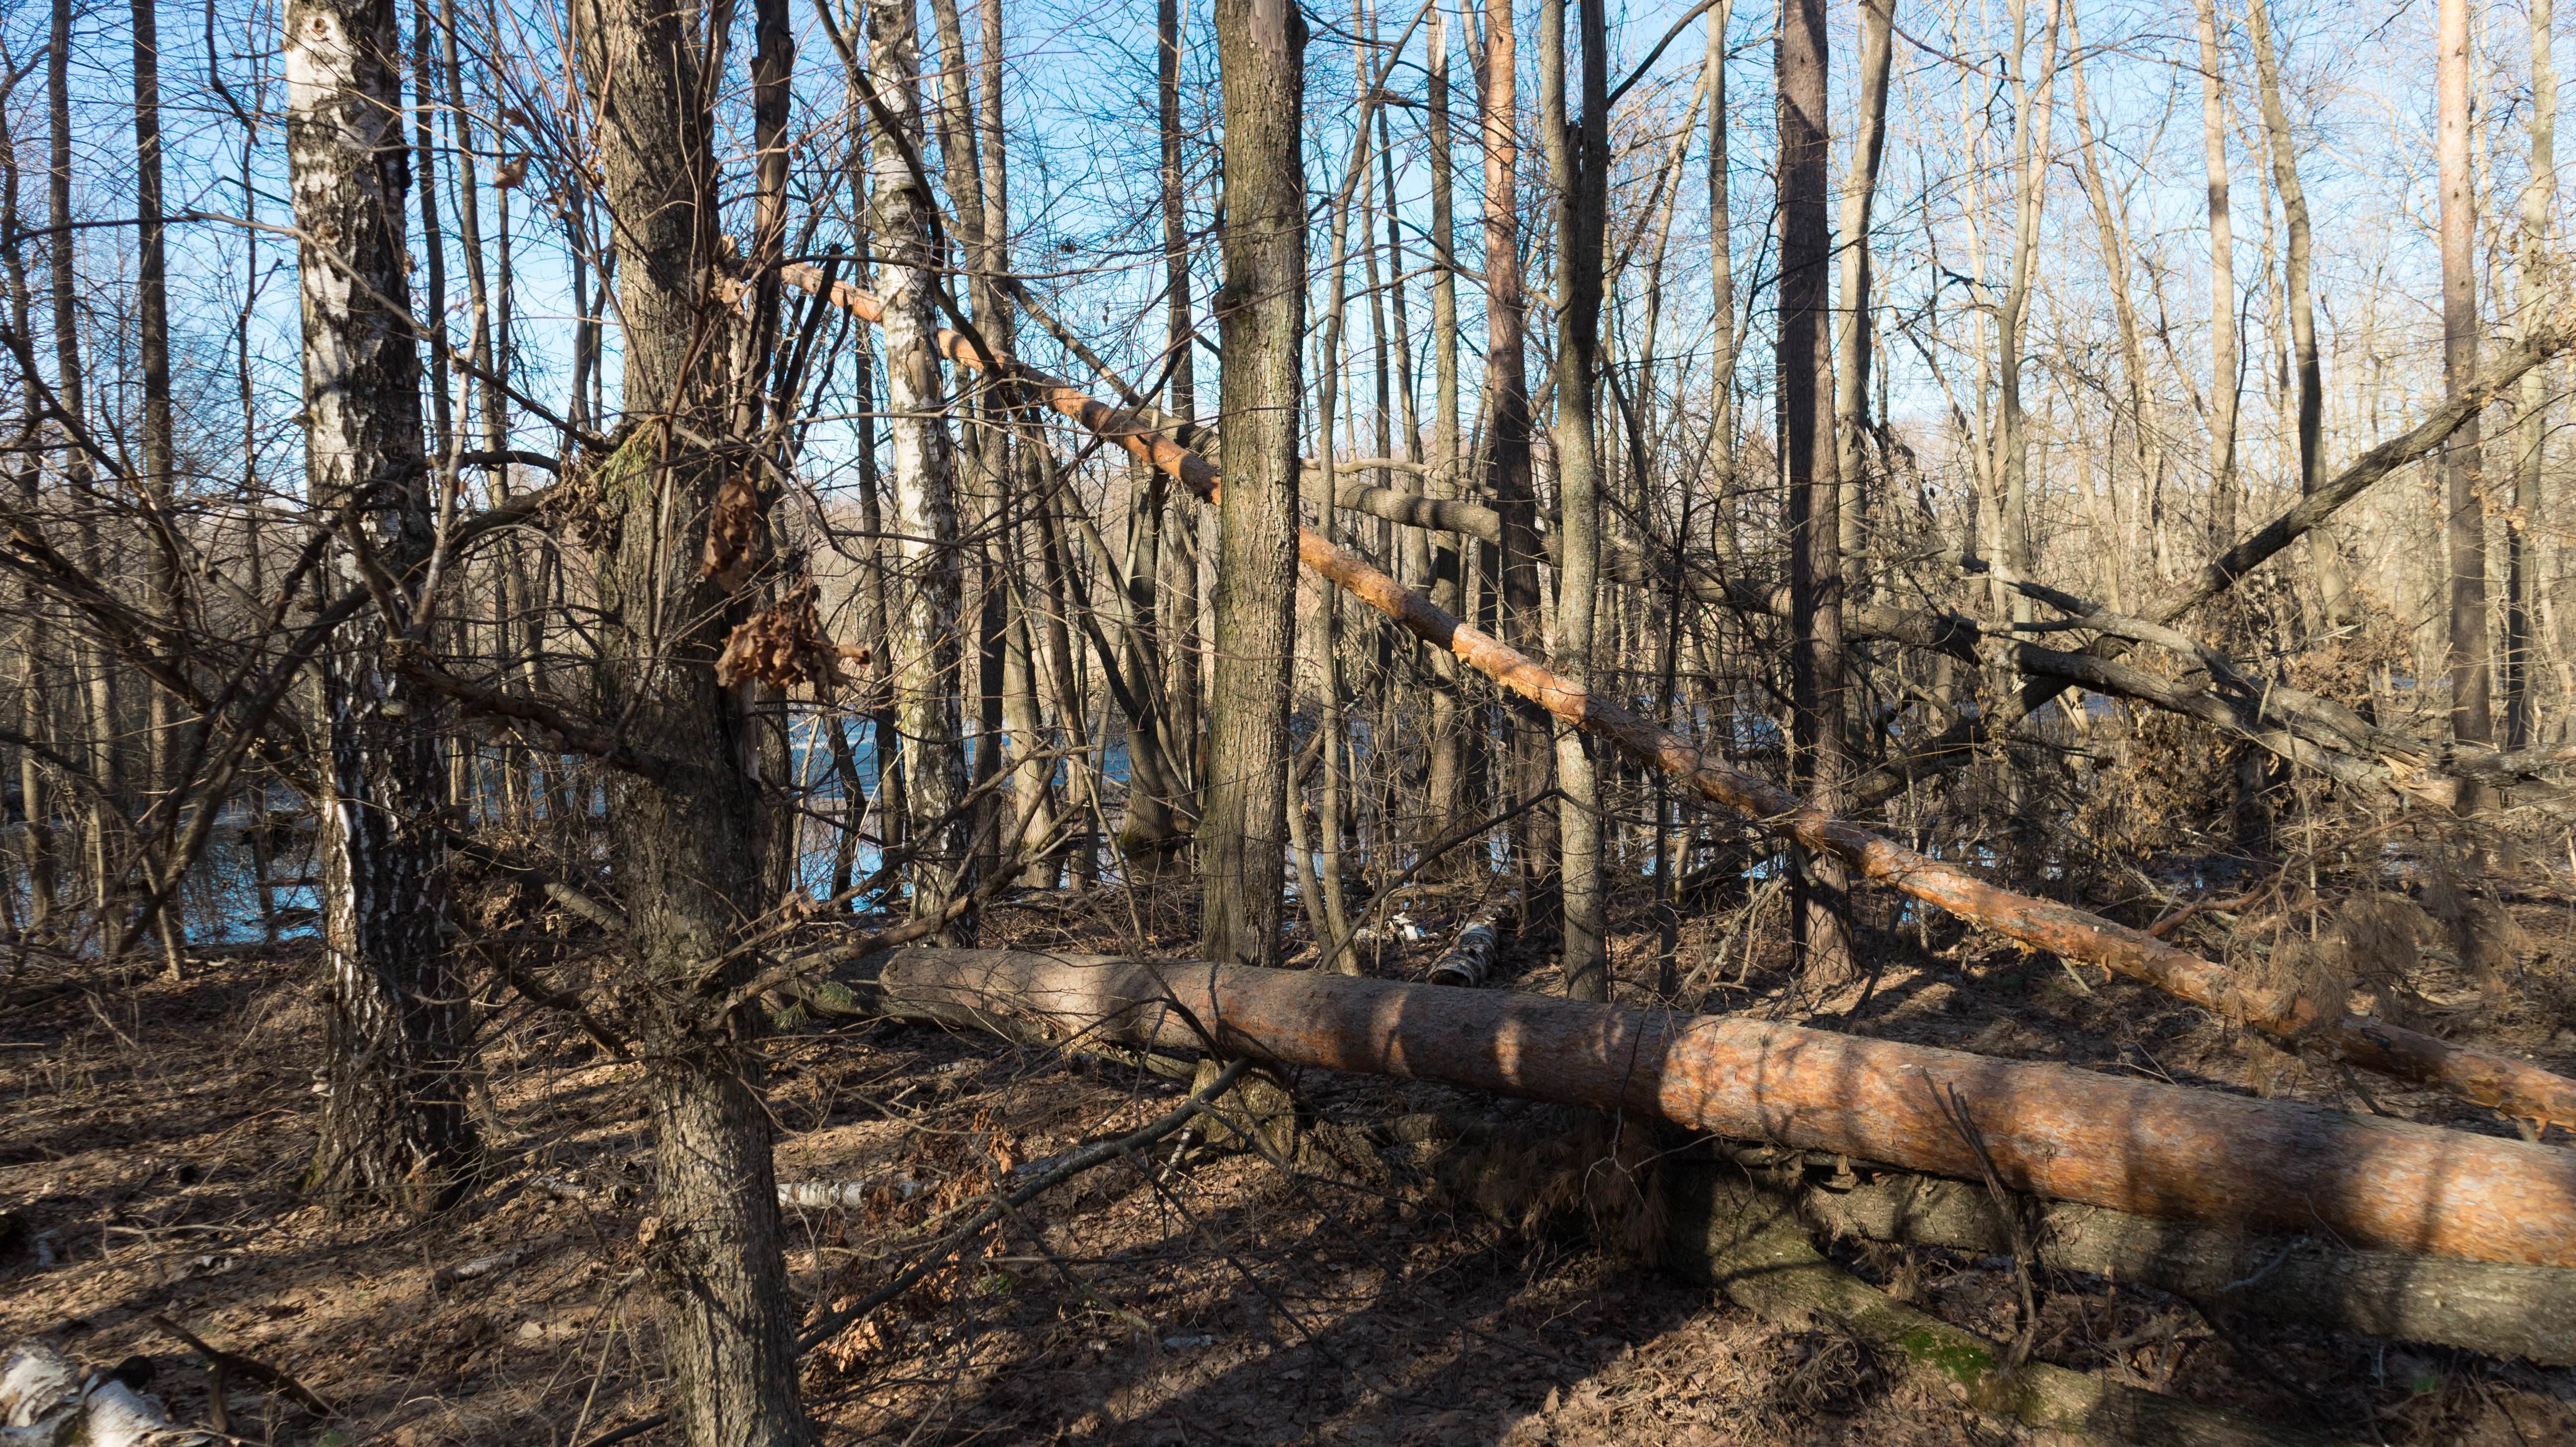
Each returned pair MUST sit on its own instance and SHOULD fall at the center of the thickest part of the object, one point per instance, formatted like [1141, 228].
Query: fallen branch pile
[2515, 1087]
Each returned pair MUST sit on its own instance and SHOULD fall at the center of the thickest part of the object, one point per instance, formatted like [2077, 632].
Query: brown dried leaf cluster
[784, 644]
[737, 533]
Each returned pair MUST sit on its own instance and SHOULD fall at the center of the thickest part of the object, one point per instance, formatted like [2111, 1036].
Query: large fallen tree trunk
[2144, 1148]
[2515, 1087]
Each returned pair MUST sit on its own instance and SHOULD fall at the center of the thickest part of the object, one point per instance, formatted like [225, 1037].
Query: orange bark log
[2138, 1146]
[2514, 1087]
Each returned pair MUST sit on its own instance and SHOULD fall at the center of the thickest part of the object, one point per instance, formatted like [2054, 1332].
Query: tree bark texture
[1260, 322]
[2531, 428]
[1528, 763]
[2464, 517]
[2332, 586]
[394, 1127]
[928, 659]
[1819, 752]
[1578, 154]
[2222, 283]
[2147, 1148]
[687, 841]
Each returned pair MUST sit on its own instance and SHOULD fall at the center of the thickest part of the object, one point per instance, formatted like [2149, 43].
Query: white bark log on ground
[48, 1400]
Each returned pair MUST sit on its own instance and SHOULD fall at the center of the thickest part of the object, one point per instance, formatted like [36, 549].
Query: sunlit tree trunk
[1721, 276]
[394, 1127]
[1527, 765]
[2464, 508]
[2222, 285]
[1578, 163]
[1852, 333]
[2332, 587]
[928, 659]
[1445, 803]
[2531, 431]
[1260, 318]
[688, 842]
[1181, 618]
[1819, 755]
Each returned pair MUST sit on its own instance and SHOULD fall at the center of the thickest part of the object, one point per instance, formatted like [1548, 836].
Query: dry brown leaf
[737, 534]
[784, 644]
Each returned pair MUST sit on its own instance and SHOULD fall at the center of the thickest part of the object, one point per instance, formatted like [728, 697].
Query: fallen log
[1470, 959]
[46, 1399]
[2146, 1148]
[2514, 1087]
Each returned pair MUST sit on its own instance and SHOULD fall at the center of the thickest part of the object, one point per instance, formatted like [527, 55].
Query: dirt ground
[152, 1132]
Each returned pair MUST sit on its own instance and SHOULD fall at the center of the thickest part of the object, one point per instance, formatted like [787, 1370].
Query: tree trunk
[1508, 423]
[1852, 344]
[980, 451]
[1578, 158]
[2464, 522]
[927, 660]
[93, 666]
[2334, 589]
[394, 1127]
[152, 323]
[2146, 1147]
[1444, 806]
[2110, 233]
[1819, 753]
[687, 841]
[1721, 274]
[1180, 618]
[1260, 319]
[34, 681]
[2522, 523]
[2222, 285]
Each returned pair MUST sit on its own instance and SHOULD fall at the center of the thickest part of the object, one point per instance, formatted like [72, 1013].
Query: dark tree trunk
[395, 1125]
[687, 840]
[1260, 323]
[1817, 749]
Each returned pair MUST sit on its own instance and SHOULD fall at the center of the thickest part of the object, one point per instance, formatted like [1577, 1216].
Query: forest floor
[152, 1133]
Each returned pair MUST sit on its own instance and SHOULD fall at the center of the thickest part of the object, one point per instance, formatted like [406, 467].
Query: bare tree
[1260, 316]
[395, 1127]
[2463, 462]
[1820, 753]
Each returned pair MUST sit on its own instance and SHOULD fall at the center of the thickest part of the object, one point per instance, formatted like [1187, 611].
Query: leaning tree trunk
[394, 1125]
[1260, 320]
[686, 837]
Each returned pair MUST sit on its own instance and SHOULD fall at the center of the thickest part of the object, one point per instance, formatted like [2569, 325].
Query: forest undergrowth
[158, 1128]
